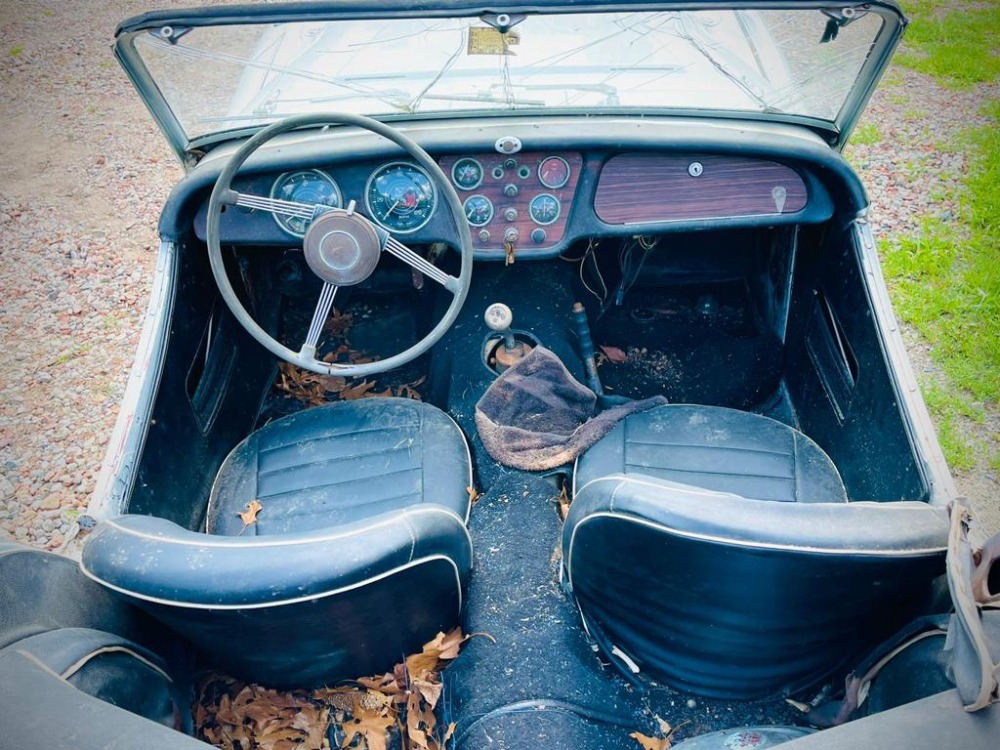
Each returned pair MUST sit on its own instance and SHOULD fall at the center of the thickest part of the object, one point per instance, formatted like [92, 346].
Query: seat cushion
[340, 463]
[719, 449]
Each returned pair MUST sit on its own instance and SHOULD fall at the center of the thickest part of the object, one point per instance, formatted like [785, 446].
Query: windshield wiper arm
[488, 98]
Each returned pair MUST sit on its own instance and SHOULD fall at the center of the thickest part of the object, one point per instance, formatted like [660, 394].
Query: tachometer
[478, 210]
[467, 173]
[310, 186]
[400, 197]
[544, 209]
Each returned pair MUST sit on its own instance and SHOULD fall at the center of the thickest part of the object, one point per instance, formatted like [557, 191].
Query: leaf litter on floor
[364, 714]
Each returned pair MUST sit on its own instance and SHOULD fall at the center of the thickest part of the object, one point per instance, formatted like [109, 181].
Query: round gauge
[307, 186]
[553, 172]
[544, 209]
[400, 197]
[478, 210]
[467, 173]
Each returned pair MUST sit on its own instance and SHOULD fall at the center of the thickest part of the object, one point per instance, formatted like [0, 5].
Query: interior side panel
[209, 395]
[837, 376]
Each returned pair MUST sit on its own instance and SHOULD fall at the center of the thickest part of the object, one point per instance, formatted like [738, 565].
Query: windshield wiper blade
[486, 98]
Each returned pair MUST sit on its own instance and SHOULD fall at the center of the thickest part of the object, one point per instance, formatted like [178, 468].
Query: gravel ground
[83, 172]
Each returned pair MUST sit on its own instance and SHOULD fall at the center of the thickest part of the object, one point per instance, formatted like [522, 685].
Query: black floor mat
[696, 344]
[540, 684]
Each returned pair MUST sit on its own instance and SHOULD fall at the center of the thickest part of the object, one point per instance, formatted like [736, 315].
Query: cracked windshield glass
[782, 62]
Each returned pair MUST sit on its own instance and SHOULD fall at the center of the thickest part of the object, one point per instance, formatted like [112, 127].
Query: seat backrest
[54, 618]
[42, 591]
[300, 609]
[737, 598]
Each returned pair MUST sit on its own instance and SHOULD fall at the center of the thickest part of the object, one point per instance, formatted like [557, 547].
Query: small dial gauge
[478, 210]
[544, 209]
[467, 173]
[553, 172]
[400, 197]
[309, 186]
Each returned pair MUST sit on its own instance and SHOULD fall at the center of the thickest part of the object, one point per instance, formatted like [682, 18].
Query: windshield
[795, 62]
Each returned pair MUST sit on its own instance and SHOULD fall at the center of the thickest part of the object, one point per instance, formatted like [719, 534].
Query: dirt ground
[83, 173]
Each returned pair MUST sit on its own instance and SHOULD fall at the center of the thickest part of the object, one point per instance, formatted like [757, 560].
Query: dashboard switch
[511, 235]
[510, 189]
[538, 236]
[510, 214]
[484, 235]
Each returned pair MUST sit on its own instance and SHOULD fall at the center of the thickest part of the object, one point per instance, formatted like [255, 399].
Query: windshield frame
[189, 150]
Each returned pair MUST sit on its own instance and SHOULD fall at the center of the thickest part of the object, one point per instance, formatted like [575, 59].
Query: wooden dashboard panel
[528, 187]
[637, 188]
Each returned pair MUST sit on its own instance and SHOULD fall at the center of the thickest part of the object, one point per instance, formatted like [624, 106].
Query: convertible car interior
[299, 494]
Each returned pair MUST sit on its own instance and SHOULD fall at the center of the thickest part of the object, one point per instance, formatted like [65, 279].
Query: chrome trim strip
[286, 602]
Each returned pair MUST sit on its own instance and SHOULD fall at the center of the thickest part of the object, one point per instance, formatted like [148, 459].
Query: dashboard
[537, 201]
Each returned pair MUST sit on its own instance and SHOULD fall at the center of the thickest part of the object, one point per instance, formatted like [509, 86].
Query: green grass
[16, 50]
[866, 134]
[957, 46]
[953, 412]
[945, 282]
[945, 277]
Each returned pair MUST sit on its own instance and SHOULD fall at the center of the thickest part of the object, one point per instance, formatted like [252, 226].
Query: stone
[52, 502]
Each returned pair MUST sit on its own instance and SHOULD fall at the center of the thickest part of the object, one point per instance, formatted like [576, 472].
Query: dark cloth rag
[537, 416]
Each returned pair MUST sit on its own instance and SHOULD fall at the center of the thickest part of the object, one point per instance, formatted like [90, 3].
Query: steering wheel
[341, 247]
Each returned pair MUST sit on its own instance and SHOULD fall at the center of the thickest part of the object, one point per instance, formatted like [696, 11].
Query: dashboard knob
[510, 190]
[484, 235]
[511, 235]
[510, 214]
[538, 236]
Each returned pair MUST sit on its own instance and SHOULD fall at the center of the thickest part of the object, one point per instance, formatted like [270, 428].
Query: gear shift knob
[498, 317]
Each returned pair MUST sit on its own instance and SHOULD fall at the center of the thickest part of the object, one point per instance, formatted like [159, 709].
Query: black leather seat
[359, 553]
[717, 449]
[714, 550]
[81, 636]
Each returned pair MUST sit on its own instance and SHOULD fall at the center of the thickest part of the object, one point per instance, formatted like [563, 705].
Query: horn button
[341, 248]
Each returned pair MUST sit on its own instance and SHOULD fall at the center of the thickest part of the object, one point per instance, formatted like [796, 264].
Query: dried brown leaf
[339, 323]
[664, 738]
[249, 516]
[373, 726]
[473, 494]
[443, 647]
[429, 691]
[651, 743]
[614, 354]
[420, 723]
[357, 391]
[562, 502]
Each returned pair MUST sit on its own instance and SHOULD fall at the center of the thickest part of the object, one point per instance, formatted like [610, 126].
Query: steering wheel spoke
[274, 205]
[412, 259]
[320, 315]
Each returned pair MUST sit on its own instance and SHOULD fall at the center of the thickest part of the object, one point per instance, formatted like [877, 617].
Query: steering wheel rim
[223, 195]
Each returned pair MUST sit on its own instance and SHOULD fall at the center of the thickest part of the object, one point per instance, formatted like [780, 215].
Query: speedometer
[310, 186]
[400, 197]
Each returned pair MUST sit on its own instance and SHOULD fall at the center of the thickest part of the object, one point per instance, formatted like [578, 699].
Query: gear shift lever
[499, 318]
